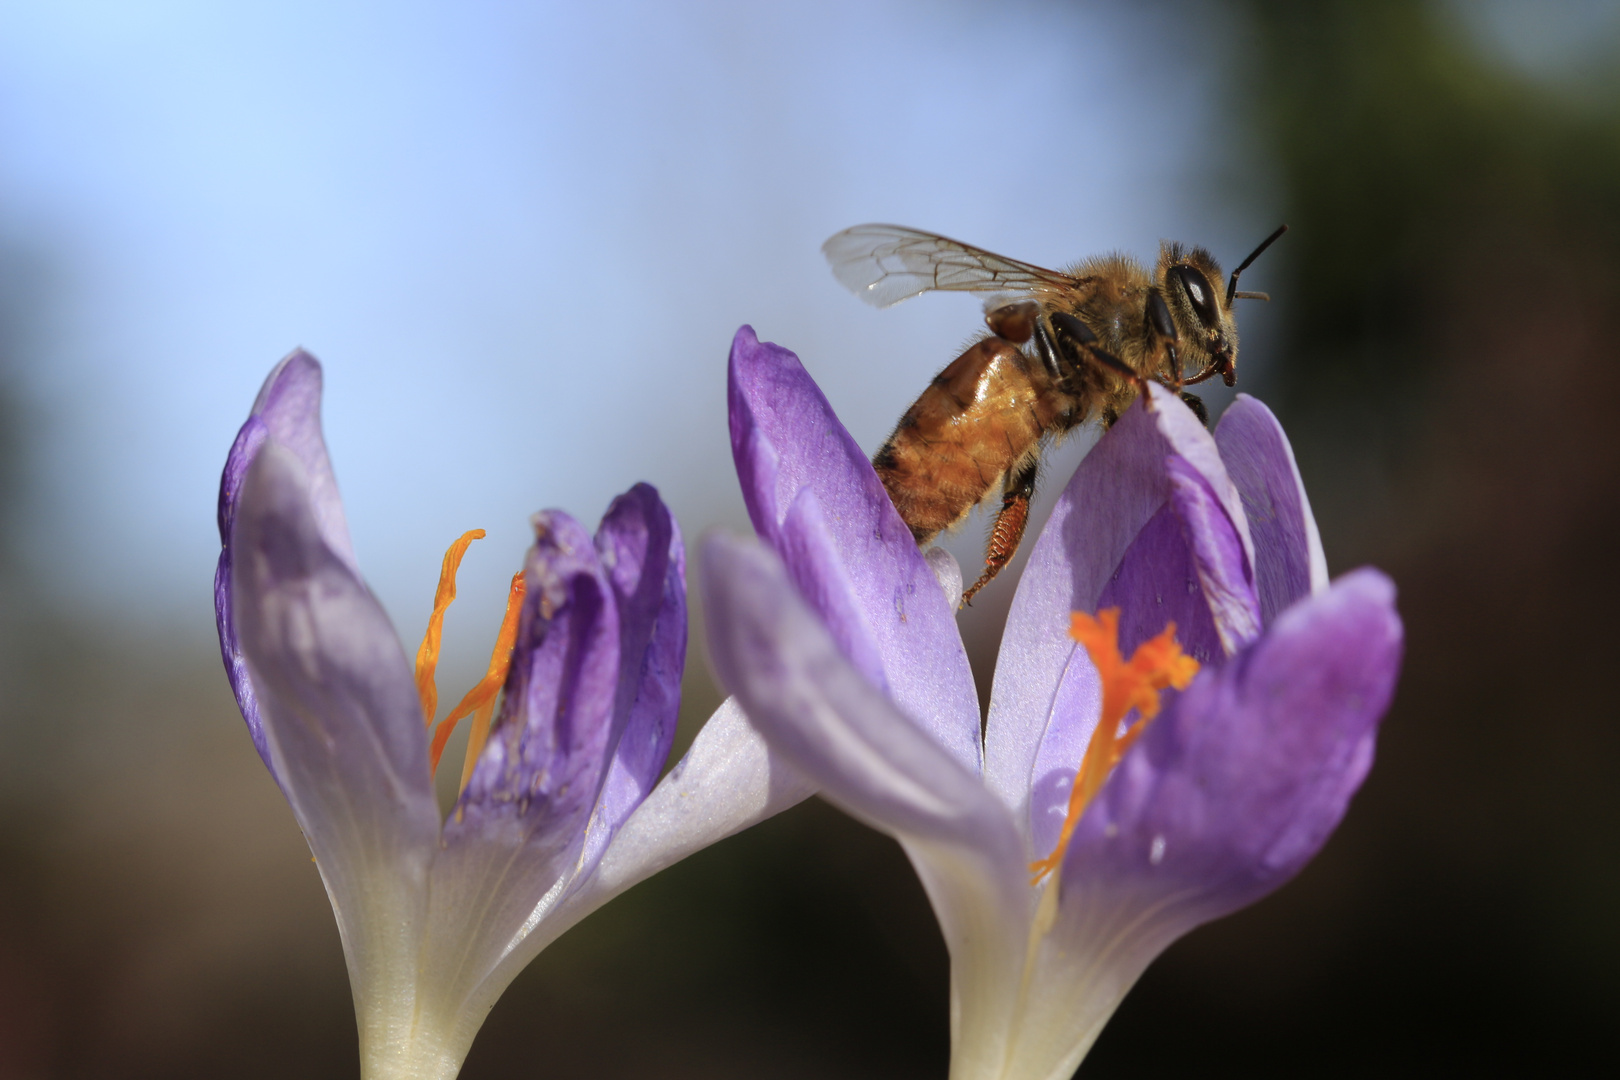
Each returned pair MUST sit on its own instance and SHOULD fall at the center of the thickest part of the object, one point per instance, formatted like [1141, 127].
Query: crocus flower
[1111, 813]
[438, 914]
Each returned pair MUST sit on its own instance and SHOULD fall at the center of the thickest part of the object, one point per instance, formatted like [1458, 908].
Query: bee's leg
[1008, 529]
[1162, 336]
[1076, 340]
[1046, 351]
[1161, 333]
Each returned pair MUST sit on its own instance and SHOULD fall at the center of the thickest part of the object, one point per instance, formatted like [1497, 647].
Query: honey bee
[1063, 347]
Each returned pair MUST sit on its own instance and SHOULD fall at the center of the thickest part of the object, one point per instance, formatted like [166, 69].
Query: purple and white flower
[437, 915]
[1228, 792]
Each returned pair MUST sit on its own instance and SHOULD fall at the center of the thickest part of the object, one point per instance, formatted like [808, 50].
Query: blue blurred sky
[520, 238]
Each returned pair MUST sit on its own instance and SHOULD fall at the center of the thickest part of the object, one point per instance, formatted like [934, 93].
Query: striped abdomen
[982, 416]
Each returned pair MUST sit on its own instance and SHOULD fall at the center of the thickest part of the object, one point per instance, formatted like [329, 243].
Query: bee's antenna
[1231, 288]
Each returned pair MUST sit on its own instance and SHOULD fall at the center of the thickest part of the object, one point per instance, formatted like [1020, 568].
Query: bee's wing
[885, 264]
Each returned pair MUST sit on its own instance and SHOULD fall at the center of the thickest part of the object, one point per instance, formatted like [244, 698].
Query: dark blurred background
[1444, 314]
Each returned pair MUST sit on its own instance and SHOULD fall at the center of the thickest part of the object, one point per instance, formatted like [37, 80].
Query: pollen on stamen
[1127, 686]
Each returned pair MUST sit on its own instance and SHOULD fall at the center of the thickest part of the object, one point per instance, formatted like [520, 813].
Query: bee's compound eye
[1196, 286]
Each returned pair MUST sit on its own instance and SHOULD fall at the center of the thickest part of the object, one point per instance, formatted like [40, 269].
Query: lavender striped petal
[817, 711]
[786, 439]
[1119, 499]
[538, 777]
[518, 830]
[1225, 578]
[798, 688]
[1075, 709]
[1231, 790]
[810, 554]
[1289, 563]
[289, 404]
[1157, 583]
[1185, 567]
[1245, 775]
[339, 710]
[244, 450]
[641, 548]
[727, 781]
[287, 412]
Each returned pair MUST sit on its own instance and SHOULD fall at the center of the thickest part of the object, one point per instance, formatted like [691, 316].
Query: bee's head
[1190, 282]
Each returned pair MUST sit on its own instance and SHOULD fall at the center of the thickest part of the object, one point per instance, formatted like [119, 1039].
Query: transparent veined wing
[885, 264]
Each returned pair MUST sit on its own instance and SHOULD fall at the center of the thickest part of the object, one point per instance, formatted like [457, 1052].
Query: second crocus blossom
[436, 914]
[1054, 897]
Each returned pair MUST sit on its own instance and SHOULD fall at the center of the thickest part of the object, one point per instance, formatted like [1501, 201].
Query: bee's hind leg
[1008, 529]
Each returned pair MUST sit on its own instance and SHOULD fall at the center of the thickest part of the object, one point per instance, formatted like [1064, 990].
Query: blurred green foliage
[1413, 164]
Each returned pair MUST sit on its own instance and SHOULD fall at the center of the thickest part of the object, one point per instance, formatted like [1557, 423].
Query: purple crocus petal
[809, 551]
[1115, 538]
[1165, 576]
[538, 777]
[727, 781]
[1230, 791]
[1225, 577]
[800, 535]
[640, 546]
[287, 412]
[1057, 759]
[794, 684]
[1248, 771]
[816, 709]
[786, 439]
[289, 406]
[518, 829]
[1156, 583]
[243, 451]
[1241, 780]
[1289, 563]
[341, 717]
[947, 571]
[1186, 567]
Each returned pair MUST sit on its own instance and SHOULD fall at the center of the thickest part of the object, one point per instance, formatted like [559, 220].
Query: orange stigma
[1127, 685]
[479, 702]
[427, 657]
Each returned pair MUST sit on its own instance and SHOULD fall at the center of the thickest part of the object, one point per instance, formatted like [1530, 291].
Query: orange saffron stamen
[481, 698]
[427, 657]
[1126, 685]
